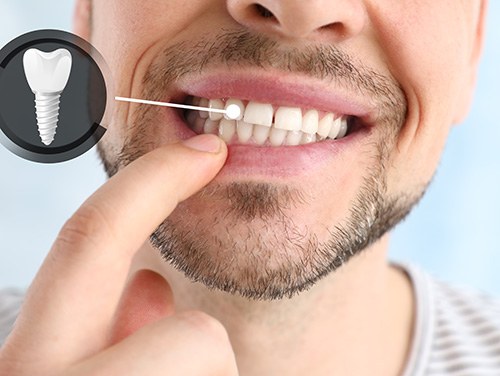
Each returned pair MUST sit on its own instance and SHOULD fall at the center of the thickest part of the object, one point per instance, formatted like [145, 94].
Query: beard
[249, 243]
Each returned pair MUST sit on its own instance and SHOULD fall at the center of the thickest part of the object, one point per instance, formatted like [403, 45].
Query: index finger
[73, 298]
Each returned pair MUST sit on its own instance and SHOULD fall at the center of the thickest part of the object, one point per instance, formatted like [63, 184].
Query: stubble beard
[242, 256]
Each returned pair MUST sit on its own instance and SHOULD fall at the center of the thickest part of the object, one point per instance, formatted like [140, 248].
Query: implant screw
[47, 115]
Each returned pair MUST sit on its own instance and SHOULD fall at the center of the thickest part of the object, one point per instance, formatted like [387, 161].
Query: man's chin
[270, 240]
[256, 262]
[250, 240]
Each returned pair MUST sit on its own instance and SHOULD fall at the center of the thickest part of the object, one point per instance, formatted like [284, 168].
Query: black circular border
[84, 143]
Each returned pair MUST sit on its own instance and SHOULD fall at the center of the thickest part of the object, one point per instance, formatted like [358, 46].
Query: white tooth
[319, 138]
[211, 127]
[308, 138]
[335, 128]
[238, 103]
[325, 125]
[196, 101]
[204, 103]
[288, 118]
[293, 138]
[244, 130]
[227, 129]
[310, 122]
[216, 104]
[260, 133]
[277, 136]
[343, 128]
[259, 113]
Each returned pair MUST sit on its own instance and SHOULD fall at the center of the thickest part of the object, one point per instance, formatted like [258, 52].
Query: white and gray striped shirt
[456, 332]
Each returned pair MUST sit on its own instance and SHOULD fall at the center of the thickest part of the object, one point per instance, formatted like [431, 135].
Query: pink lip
[279, 90]
[276, 162]
[286, 161]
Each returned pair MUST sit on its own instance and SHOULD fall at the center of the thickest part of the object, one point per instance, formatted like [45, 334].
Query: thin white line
[166, 104]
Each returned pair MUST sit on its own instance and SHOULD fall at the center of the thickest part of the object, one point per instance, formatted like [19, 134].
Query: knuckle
[87, 225]
[158, 159]
[211, 339]
[204, 324]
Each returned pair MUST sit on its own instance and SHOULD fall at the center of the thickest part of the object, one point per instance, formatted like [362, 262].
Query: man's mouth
[266, 124]
[286, 127]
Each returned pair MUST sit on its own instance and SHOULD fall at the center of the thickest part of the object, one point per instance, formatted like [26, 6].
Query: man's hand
[66, 323]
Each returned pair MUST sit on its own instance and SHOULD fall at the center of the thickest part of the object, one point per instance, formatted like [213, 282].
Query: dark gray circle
[82, 107]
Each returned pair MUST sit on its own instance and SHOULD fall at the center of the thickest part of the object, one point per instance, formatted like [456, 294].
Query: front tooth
[288, 118]
[343, 128]
[216, 104]
[211, 127]
[293, 138]
[308, 138]
[244, 131]
[325, 125]
[227, 129]
[259, 113]
[261, 133]
[204, 103]
[310, 122]
[277, 136]
[335, 128]
[238, 103]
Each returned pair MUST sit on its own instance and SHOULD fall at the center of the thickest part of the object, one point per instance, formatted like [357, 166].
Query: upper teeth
[283, 125]
[259, 114]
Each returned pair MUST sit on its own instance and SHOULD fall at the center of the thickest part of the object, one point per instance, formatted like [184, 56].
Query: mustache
[242, 48]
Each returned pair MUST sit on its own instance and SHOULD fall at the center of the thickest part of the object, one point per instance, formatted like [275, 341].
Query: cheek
[128, 34]
[426, 43]
[123, 30]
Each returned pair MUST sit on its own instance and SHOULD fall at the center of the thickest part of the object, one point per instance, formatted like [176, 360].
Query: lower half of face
[327, 156]
[280, 215]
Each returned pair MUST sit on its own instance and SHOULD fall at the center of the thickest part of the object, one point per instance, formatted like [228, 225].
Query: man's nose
[332, 20]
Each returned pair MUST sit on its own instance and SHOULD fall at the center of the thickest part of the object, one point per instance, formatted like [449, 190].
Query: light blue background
[454, 233]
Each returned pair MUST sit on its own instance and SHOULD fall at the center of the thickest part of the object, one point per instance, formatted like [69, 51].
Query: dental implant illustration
[47, 74]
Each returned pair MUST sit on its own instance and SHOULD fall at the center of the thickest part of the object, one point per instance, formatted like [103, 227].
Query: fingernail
[205, 142]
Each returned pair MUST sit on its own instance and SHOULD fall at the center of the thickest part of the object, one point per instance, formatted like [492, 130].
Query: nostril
[336, 27]
[264, 12]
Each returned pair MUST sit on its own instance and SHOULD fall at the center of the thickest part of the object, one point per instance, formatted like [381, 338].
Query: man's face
[289, 206]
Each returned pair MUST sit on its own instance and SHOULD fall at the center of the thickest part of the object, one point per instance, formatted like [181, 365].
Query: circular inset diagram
[53, 96]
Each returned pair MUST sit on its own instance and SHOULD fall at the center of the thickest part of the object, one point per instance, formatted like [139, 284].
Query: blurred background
[454, 233]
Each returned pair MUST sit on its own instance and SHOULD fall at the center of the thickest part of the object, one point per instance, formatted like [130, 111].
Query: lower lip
[275, 162]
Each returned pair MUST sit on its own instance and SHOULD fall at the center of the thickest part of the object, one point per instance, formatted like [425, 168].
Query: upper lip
[277, 89]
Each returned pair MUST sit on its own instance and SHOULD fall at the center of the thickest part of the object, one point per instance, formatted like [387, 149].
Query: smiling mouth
[266, 124]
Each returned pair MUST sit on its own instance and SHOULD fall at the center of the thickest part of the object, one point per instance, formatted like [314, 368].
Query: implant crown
[47, 72]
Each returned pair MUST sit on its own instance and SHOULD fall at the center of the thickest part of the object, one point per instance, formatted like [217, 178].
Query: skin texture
[357, 318]
[66, 326]
[300, 229]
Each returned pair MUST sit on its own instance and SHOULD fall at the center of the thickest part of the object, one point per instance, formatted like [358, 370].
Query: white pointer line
[165, 104]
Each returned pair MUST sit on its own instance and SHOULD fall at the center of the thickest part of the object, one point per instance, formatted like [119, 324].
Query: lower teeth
[238, 131]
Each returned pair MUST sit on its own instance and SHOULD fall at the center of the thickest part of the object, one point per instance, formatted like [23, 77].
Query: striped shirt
[456, 331]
